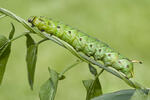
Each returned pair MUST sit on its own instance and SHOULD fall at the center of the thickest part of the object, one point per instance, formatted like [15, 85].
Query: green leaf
[93, 88]
[31, 58]
[12, 31]
[49, 88]
[3, 60]
[3, 43]
[139, 95]
[119, 95]
[87, 84]
[92, 70]
[5, 48]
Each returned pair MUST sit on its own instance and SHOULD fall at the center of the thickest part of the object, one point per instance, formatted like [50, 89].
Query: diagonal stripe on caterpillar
[84, 43]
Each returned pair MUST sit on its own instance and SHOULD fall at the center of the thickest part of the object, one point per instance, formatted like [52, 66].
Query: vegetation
[49, 89]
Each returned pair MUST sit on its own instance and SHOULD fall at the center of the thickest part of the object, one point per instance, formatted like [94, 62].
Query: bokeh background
[123, 24]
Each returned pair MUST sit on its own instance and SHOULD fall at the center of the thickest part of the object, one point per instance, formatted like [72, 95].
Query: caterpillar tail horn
[136, 61]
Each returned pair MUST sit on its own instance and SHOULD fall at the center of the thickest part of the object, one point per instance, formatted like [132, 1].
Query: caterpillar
[82, 42]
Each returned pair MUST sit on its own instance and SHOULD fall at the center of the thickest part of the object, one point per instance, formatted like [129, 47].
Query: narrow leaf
[5, 48]
[29, 41]
[3, 60]
[31, 58]
[87, 84]
[3, 43]
[92, 70]
[93, 88]
[49, 88]
[119, 95]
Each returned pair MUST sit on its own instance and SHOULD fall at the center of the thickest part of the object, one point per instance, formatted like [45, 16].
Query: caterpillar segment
[84, 43]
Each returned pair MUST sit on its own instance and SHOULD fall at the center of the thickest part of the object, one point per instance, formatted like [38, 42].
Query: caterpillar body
[84, 43]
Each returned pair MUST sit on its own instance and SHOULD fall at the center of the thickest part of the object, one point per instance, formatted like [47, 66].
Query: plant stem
[2, 16]
[68, 68]
[99, 73]
[19, 36]
[42, 41]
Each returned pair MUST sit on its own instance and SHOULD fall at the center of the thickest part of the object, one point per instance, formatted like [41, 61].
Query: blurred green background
[123, 24]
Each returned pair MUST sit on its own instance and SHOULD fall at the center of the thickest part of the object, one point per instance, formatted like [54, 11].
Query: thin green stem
[15, 38]
[2, 16]
[42, 41]
[99, 73]
[70, 67]
[19, 36]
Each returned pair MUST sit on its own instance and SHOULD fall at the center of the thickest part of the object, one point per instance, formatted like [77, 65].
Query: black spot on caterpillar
[85, 43]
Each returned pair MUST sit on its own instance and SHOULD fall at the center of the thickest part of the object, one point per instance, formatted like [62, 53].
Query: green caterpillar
[86, 44]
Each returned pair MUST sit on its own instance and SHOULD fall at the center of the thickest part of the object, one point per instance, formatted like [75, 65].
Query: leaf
[87, 84]
[5, 48]
[93, 88]
[119, 95]
[3, 60]
[92, 70]
[31, 58]
[3, 43]
[139, 95]
[49, 88]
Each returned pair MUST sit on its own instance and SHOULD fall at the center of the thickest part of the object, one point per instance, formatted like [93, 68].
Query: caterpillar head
[32, 19]
[125, 66]
[43, 24]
